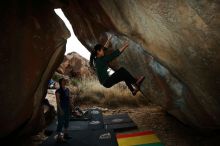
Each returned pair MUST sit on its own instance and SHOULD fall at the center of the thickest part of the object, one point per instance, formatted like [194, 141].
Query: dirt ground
[170, 131]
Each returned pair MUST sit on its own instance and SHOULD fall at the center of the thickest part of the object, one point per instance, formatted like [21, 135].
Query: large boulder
[33, 40]
[175, 44]
[74, 65]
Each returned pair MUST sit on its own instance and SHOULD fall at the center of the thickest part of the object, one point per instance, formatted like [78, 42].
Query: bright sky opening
[73, 44]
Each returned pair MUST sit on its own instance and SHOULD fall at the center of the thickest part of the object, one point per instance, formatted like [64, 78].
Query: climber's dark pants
[118, 76]
[63, 120]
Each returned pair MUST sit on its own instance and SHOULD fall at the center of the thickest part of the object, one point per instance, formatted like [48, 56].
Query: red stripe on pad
[135, 134]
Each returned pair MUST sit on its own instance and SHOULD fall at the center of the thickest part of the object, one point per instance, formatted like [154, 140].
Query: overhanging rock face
[175, 44]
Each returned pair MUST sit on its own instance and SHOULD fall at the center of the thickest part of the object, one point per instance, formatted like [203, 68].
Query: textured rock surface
[175, 44]
[32, 44]
[74, 65]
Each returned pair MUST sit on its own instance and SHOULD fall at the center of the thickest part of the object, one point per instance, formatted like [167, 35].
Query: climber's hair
[93, 55]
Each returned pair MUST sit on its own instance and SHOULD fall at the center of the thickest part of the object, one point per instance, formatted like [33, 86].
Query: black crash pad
[86, 138]
[119, 122]
[96, 121]
[95, 114]
[73, 125]
[74, 118]
[118, 118]
[120, 127]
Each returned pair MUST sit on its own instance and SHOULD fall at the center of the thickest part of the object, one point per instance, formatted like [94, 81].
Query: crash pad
[144, 138]
[119, 122]
[96, 121]
[86, 138]
[73, 125]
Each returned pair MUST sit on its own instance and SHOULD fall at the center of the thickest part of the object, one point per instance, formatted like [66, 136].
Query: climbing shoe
[134, 92]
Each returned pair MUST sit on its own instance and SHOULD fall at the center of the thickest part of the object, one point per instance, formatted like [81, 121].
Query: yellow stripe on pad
[137, 139]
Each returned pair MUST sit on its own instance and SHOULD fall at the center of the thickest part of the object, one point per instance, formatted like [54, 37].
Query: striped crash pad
[145, 138]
